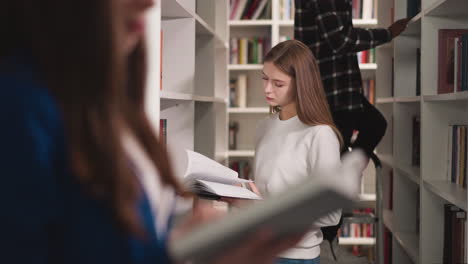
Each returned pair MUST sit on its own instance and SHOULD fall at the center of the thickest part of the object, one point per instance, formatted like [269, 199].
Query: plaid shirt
[326, 27]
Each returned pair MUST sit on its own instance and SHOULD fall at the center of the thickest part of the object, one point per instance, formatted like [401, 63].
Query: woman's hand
[262, 247]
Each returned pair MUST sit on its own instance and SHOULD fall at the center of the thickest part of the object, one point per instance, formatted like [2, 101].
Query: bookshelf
[188, 77]
[417, 190]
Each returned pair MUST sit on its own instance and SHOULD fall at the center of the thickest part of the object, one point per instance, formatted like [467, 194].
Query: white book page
[229, 190]
[202, 168]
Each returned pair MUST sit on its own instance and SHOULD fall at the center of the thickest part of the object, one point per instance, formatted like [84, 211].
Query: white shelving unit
[188, 39]
[422, 188]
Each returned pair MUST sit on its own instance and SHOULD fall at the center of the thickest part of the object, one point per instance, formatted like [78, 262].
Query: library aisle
[208, 87]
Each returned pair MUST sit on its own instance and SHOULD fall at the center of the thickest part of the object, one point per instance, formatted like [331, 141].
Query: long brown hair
[75, 45]
[297, 61]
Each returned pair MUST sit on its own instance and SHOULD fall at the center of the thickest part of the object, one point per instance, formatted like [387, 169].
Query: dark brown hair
[296, 60]
[75, 45]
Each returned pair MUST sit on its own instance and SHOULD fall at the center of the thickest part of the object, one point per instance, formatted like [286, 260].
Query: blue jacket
[45, 215]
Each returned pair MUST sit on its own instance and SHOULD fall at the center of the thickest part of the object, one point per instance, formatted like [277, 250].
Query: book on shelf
[250, 9]
[416, 142]
[238, 91]
[364, 9]
[232, 134]
[457, 160]
[286, 9]
[211, 180]
[163, 131]
[454, 234]
[452, 68]
[388, 246]
[305, 202]
[248, 50]
[242, 167]
[368, 87]
[366, 56]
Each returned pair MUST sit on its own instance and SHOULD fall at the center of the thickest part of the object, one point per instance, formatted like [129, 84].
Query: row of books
[357, 230]
[286, 9]
[364, 9]
[243, 168]
[454, 234]
[248, 50]
[351, 229]
[250, 9]
[453, 58]
[457, 161]
[238, 91]
[367, 56]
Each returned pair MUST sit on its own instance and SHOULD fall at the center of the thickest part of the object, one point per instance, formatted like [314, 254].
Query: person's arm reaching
[336, 27]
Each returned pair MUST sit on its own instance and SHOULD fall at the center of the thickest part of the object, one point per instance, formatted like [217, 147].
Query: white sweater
[287, 152]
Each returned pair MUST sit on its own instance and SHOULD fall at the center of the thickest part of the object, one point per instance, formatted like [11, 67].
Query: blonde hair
[297, 61]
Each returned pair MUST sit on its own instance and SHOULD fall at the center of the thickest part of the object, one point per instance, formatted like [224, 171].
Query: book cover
[446, 59]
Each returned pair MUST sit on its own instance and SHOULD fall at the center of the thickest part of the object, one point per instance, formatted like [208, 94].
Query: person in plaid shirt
[326, 27]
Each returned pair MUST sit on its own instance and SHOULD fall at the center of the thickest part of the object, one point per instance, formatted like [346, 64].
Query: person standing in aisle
[84, 177]
[326, 27]
[298, 139]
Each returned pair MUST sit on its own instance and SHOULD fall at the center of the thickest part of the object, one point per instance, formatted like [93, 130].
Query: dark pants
[369, 122]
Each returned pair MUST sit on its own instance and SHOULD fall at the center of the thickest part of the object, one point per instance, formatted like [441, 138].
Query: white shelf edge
[165, 95]
[410, 243]
[241, 153]
[247, 23]
[447, 97]
[367, 197]
[408, 99]
[411, 172]
[245, 67]
[384, 100]
[417, 18]
[356, 22]
[448, 191]
[388, 219]
[368, 66]
[249, 110]
[364, 241]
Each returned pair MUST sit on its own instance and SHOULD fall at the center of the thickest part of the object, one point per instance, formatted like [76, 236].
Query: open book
[209, 179]
[290, 212]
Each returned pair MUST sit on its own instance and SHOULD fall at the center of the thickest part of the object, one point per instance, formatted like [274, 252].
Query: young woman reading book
[299, 138]
[84, 178]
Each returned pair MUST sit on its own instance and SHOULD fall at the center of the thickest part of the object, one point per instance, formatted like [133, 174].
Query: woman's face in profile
[133, 18]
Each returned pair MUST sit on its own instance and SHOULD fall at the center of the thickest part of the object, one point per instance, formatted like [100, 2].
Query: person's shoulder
[22, 92]
[322, 132]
